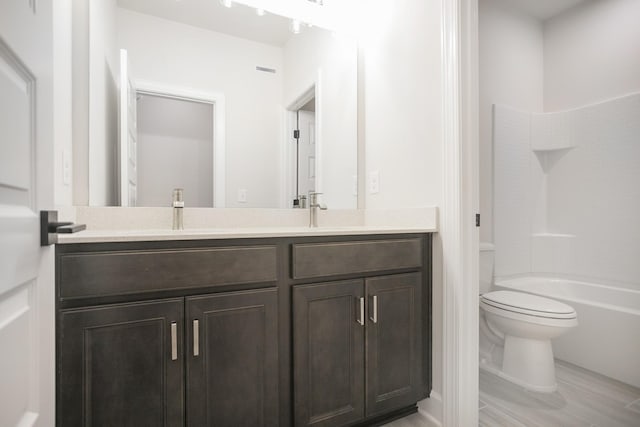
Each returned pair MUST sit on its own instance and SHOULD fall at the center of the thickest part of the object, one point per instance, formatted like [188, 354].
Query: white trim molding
[219, 127]
[314, 89]
[431, 410]
[459, 206]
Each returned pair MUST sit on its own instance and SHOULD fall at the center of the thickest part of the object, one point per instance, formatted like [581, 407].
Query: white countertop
[96, 236]
[117, 224]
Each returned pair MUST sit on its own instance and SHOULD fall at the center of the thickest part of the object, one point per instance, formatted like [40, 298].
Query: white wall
[175, 150]
[179, 55]
[511, 73]
[80, 100]
[588, 160]
[592, 53]
[594, 197]
[103, 103]
[317, 53]
[402, 126]
[549, 200]
[402, 91]
[513, 202]
[62, 15]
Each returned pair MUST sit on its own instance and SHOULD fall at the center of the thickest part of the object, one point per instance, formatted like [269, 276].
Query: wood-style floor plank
[583, 399]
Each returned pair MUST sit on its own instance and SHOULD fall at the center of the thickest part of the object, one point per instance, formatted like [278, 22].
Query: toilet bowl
[525, 325]
[516, 330]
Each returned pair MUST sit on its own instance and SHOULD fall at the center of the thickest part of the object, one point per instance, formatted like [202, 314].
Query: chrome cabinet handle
[196, 337]
[174, 341]
[374, 317]
[361, 319]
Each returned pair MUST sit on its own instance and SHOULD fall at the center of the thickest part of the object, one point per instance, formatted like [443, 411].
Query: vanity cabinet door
[232, 359]
[394, 342]
[121, 365]
[328, 340]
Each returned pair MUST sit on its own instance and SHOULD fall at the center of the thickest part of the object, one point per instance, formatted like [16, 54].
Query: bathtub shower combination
[566, 203]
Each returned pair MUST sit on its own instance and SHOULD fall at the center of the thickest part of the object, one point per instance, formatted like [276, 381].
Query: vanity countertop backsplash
[117, 224]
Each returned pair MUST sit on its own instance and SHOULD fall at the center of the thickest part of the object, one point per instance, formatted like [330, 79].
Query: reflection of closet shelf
[557, 149]
[552, 131]
[548, 157]
[556, 235]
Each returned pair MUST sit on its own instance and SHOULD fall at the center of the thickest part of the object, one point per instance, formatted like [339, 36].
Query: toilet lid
[521, 302]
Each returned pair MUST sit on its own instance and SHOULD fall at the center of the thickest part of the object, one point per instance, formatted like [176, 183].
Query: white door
[128, 146]
[307, 152]
[27, 385]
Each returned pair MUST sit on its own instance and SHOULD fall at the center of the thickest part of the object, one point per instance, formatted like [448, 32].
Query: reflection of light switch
[66, 167]
[242, 196]
[374, 182]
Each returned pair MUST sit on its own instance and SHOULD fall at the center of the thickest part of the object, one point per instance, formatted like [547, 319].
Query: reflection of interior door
[307, 152]
[174, 150]
[26, 185]
[128, 135]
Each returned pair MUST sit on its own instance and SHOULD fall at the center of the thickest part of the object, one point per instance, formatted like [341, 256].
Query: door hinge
[296, 134]
[477, 220]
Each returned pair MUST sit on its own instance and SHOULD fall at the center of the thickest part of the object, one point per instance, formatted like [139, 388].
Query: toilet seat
[528, 307]
[524, 303]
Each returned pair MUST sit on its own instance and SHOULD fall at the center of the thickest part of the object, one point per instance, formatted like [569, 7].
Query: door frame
[311, 90]
[217, 100]
[459, 234]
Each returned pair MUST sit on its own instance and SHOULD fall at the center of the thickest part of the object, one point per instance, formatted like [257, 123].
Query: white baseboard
[431, 410]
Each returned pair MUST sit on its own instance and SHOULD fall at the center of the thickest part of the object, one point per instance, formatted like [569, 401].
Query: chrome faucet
[313, 208]
[178, 205]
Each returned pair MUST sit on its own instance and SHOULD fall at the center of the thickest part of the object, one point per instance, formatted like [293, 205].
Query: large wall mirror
[237, 106]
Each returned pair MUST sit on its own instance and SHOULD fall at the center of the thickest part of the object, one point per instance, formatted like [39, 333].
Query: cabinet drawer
[99, 274]
[335, 258]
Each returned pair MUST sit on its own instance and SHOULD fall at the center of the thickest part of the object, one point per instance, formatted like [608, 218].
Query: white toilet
[516, 329]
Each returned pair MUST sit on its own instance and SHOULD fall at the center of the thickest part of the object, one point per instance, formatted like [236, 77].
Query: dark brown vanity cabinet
[232, 359]
[124, 365]
[328, 353]
[357, 348]
[121, 365]
[323, 331]
[393, 342]
[166, 334]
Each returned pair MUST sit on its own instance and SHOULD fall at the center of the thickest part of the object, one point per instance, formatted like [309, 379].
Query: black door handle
[50, 227]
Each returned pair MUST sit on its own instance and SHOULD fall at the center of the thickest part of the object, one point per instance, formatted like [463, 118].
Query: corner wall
[402, 91]
[591, 54]
[557, 174]
[183, 56]
[104, 74]
[511, 73]
[62, 88]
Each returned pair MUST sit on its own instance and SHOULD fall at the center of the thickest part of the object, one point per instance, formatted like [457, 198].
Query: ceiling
[544, 9]
[240, 21]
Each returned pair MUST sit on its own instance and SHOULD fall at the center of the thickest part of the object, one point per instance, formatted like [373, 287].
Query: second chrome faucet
[314, 205]
[178, 205]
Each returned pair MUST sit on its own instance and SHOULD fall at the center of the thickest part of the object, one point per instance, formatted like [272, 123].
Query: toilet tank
[486, 266]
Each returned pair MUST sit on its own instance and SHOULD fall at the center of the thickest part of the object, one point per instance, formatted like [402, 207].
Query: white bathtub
[607, 339]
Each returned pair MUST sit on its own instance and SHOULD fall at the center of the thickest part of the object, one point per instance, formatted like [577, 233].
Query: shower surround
[566, 205]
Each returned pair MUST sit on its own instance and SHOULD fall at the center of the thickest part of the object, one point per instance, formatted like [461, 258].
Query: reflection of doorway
[174, 150]
[131, 94]
[303, 159]
[306, 148]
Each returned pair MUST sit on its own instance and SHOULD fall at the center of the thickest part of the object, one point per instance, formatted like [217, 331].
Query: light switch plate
[374, 182]
[66, 167]
[242, 195]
